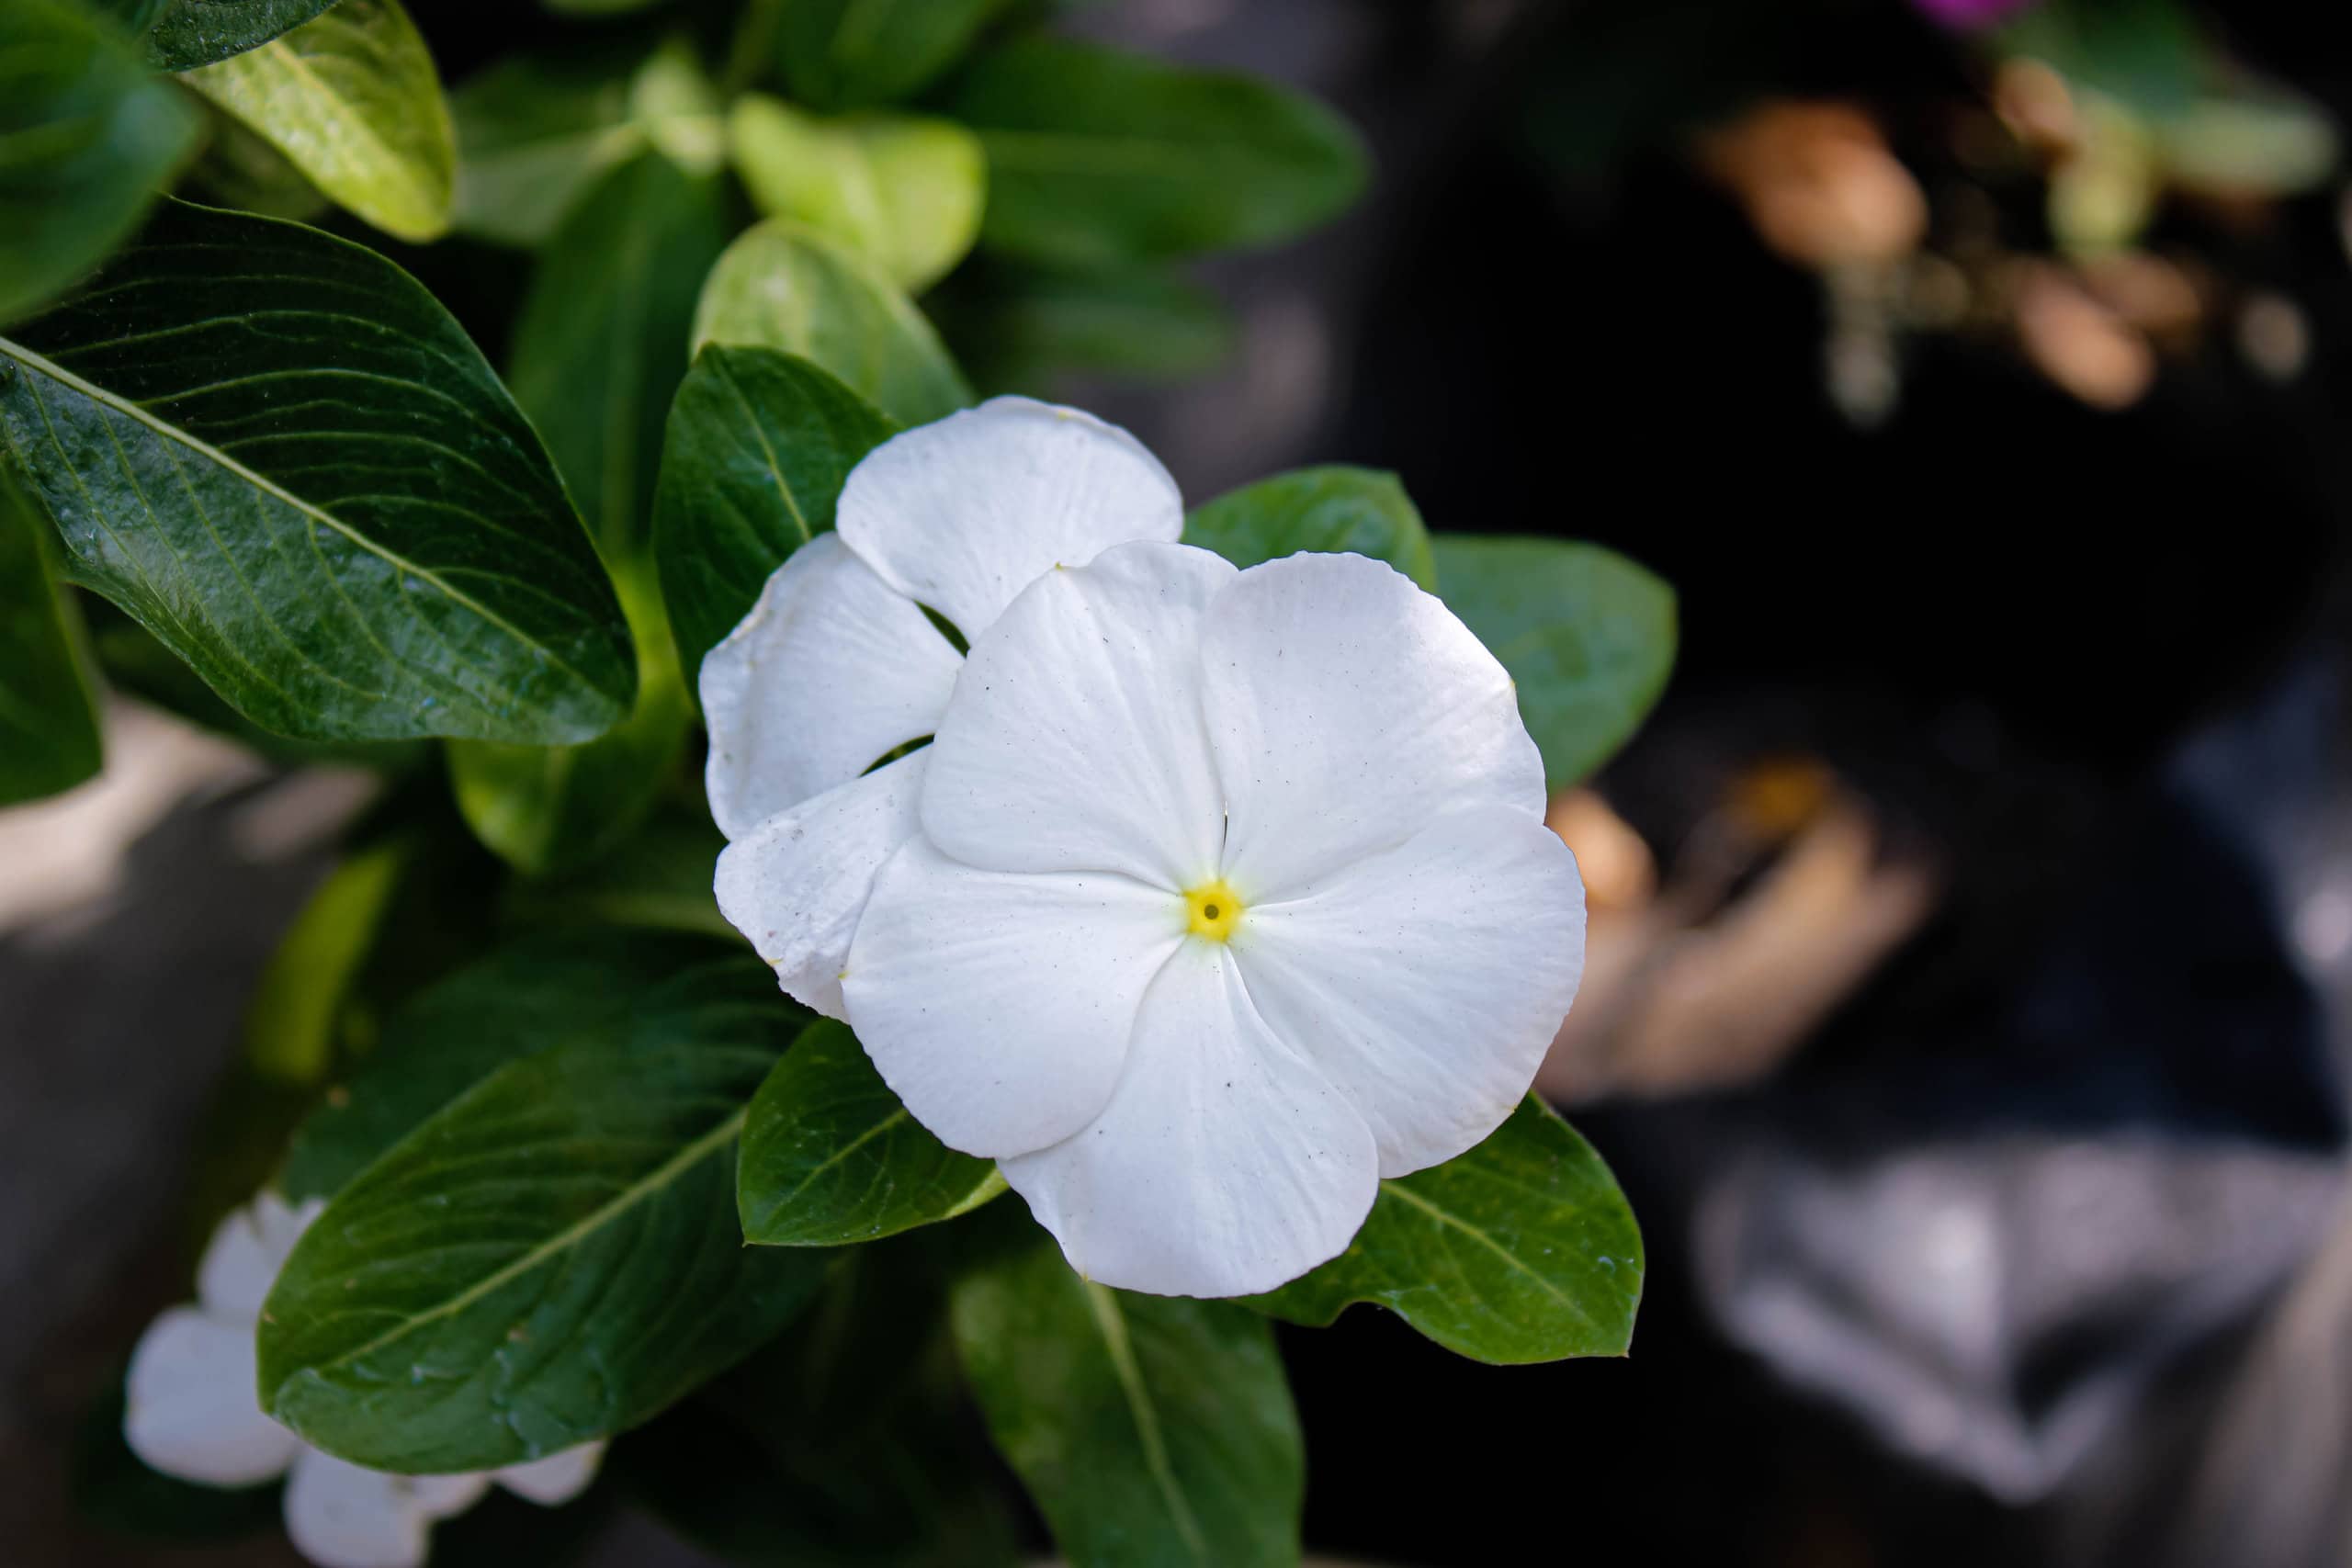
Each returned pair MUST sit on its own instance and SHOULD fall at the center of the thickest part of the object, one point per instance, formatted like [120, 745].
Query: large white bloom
[838, 666]
[1224, 894]
[192, 1412]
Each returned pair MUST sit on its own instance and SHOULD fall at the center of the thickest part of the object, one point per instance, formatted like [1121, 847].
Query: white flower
[192, 1412]
[1228, 894]
[838, 666]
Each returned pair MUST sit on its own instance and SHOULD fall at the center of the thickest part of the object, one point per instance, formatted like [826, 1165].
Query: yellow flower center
[1215, 909]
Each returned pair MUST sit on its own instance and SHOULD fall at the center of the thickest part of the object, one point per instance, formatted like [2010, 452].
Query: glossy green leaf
[601, 344]
[1015, 327]
[1521, 1250]
[552, 1255]
[285, 459]
[1335, 509]
[1150, 1430]
[134, 662]
[781, 286]
[843, 54]
[86, 137]
[903, 192]
[542, 990]
[352, 101]
[186, 34]
[543, 808]
[1097, 157]
[659, 878]
[49, 720]
[534, 134]
[759, 445]
[830, 1156]
[1588, 635]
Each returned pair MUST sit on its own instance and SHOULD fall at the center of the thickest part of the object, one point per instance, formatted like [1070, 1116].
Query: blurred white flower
[192, 1412]
[838, 666]
[1224, 894]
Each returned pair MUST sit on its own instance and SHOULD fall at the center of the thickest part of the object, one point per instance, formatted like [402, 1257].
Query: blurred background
[1971, 955]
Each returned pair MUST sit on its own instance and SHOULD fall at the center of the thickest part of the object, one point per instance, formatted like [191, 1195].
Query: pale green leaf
[784, 287]
[759, 445]
[86, 137]
[1521, 1250]
[552, 1255]
[1150, 1430]
[279, 455]
[352, 101]
[1335, 509]
[1588, 635]
[830, 1156]
[904, 192]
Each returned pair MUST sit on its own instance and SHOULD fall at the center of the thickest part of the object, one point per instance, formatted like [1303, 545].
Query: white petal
[797, 883]
[1345, 706]
[190, 1407]
[996, 1005]
[965, 513]
[247, 1250]
[830, 672]
[557, 1479]
[1074, 740]
[1225, 1165]
[341, 1516]
[1429, 981]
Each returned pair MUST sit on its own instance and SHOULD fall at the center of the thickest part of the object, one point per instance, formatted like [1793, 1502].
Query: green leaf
[552, 1257]
[281, 456]
[903, 192]
[759, 445]
[830, 1156]
[1150, 1430]
[1336, 510]
[534, 134]
[1097, 157]
[843, 54]
[1016, 327]
[1521, 1250]
[86, 137]
[547, 988]
[659, 878]
[784, 287]
[1588, 635]
[189, 33]
[352, 101]
[602, 341]
[49, 721]
[543, 808]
